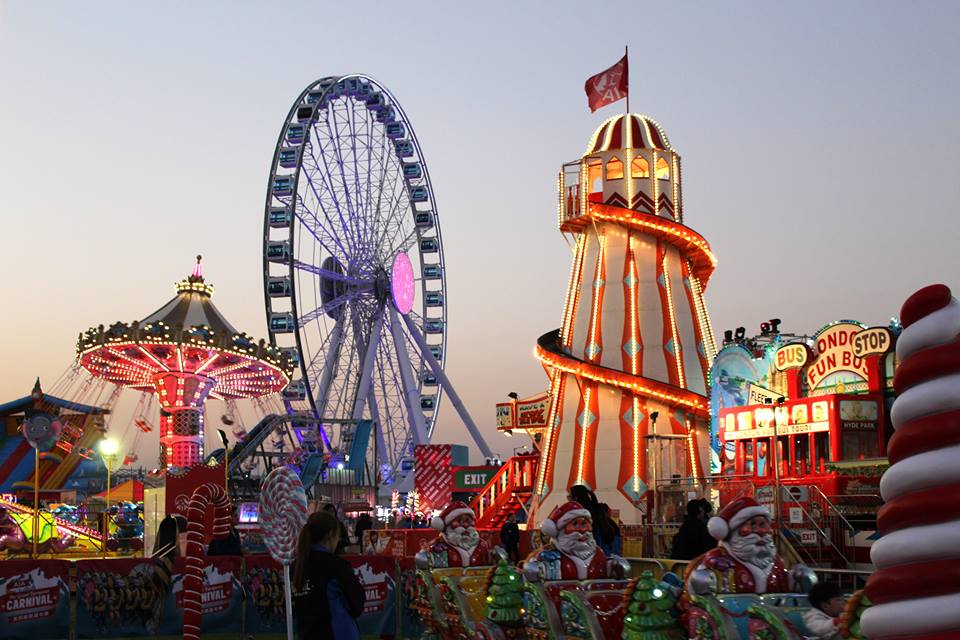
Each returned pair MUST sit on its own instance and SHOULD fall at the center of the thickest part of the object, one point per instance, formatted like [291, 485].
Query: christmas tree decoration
[505, 596]
[649, 604]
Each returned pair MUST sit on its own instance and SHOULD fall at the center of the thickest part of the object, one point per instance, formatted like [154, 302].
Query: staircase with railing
[507, 491]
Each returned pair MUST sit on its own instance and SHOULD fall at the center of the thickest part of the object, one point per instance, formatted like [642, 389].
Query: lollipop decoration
[283, 512]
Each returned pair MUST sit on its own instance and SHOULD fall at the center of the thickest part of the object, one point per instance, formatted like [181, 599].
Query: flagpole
[626, 55]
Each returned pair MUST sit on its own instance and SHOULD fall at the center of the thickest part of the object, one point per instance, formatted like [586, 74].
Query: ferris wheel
[353, 265]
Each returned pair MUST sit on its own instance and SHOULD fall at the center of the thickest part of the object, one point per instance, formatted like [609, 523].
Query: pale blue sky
[819, 143]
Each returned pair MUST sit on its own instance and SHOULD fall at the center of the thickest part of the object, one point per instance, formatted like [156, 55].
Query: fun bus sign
[841, 347]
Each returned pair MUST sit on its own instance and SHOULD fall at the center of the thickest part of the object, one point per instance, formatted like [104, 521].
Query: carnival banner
[263, 582]
[123, 597]
[378, 575]
[34, 599]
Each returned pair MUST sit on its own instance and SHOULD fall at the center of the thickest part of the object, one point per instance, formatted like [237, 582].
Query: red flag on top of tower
[607, 86]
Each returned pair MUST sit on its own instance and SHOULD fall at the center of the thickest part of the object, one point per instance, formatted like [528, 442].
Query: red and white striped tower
[635, 336]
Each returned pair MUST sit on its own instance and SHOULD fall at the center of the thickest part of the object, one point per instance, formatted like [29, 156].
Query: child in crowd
[822, 620]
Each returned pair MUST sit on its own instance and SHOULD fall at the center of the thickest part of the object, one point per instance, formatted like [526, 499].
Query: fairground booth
[810, 414]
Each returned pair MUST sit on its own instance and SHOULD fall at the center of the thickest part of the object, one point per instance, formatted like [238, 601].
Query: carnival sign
[34, 600]
[835, 354]
[791, 356]
[873, 340]
[530, 413]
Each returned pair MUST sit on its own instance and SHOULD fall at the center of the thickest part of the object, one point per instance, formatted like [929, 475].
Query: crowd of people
[328, 597]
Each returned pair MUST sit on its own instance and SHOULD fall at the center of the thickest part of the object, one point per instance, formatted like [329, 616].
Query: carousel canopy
[187, 335]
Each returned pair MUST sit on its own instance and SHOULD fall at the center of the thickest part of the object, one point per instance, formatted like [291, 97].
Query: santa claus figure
[573, 553]
[459, 543]
[746, 556]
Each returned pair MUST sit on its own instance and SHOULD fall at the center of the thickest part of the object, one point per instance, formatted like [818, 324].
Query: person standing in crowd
[510, 538]
[826, 605]
[693, 539]
[343, 537]
[328, 598]
[364, 523]
[611, 540]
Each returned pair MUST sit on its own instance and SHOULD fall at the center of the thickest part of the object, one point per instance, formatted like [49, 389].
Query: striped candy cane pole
[916, 590]
[203, 498]
[283, 512]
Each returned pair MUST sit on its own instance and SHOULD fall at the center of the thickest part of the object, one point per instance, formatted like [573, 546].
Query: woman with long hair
[327, 597]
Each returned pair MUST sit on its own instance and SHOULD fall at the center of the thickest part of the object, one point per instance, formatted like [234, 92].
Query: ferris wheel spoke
[361, 203]
[329, 188]
[336, 137]
[327, 274]
[393, 395]
[319, 199]
[312, 315]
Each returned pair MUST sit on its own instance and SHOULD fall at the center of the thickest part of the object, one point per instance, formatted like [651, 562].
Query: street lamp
[108, 449]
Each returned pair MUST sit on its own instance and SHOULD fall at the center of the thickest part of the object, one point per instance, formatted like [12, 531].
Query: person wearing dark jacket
[364, 523]
[327, 597]
[693, 539]
[510, 538]
[344, 536]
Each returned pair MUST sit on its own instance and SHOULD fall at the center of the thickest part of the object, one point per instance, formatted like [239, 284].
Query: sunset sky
[819, 142]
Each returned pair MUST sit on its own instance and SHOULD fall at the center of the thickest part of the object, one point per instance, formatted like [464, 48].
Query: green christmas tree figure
[648, 614]
[505, 596]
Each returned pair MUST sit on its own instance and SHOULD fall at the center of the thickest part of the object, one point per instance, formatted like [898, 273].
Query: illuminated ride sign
[842, 346]
[530, 413]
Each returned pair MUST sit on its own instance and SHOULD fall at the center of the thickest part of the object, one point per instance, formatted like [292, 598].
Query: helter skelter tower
[629, 364]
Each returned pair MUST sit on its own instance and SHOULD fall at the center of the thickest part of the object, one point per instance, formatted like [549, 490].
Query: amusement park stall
[811, 416]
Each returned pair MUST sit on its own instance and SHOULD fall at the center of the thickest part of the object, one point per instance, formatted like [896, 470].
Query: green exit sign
[472, 479]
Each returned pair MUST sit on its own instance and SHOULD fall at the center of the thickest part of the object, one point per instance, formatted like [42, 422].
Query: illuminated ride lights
[185, 352]
[694, 403]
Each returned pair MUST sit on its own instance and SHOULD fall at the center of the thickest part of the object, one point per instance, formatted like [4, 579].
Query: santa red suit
[444, 553]
[558, 559]
[731, 559]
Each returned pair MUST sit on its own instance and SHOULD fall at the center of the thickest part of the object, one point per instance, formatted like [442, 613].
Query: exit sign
[472, 478]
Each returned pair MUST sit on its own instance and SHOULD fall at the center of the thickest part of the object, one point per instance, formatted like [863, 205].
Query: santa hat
[561, 516]
[452, 511]
[733, 515]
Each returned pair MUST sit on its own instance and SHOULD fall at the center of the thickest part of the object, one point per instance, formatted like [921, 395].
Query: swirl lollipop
[283, 512]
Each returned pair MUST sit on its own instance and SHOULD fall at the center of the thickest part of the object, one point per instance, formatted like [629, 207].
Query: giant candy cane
[916, 590]
[203, 497]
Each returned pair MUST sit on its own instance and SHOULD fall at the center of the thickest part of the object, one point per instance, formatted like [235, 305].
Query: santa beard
[760, 551]
[578, 544]
[465, 538]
